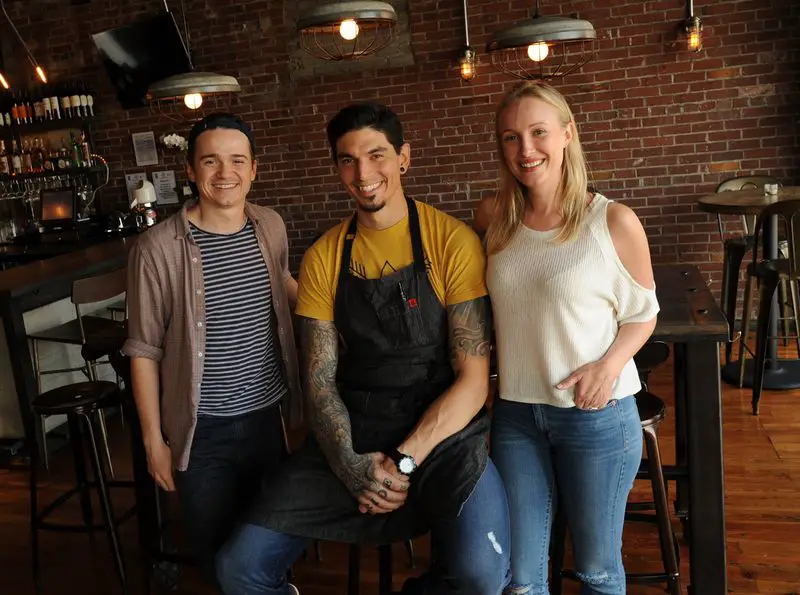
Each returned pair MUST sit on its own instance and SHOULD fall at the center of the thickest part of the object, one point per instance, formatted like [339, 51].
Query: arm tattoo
[470, 329]
[330, 420]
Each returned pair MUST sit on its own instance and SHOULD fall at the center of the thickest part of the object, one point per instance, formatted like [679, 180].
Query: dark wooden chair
[735, 247]
[652, 411]
[769, 274]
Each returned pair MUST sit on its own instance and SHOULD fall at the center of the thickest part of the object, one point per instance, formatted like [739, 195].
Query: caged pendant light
[347, 30]
[543, 47]
[189, 96]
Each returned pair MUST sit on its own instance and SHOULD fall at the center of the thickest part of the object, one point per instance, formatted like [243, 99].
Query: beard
[370, 207]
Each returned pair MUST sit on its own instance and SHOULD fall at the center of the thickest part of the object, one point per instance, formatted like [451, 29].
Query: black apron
[394, 361]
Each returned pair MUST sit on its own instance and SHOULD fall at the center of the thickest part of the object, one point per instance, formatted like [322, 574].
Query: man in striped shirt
[210, 337]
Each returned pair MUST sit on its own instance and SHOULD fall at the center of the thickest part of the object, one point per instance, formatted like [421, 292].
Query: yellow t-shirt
[454, 258]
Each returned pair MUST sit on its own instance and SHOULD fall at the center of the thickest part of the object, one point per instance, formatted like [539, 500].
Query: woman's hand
[593, 384]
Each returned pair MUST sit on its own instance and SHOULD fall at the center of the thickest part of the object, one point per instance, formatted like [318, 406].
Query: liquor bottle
[5, 165]
[75, 101]
[27, 161]
[16, 158]
[90, 104]
[15, 109]
[84, 101]
[86, 153]
[46, 106]
[38, 155]
[55, 105]
[66, 103]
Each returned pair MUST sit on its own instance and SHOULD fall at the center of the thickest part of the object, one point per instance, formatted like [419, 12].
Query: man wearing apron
[396, 326]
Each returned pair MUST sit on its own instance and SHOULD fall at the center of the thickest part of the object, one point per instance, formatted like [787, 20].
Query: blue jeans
[228, 458]
[469, 551]
[593, 457]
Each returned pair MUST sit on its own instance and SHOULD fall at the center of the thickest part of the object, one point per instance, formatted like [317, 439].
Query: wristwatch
[405, 463]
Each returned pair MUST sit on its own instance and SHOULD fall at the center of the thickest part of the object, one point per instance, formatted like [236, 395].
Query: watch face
[406, 465]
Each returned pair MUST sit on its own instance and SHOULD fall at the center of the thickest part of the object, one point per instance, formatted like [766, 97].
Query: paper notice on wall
[164, 182]
[144, 147]
[132, 182]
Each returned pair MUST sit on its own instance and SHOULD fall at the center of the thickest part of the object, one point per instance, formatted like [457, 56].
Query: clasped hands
[383, 489]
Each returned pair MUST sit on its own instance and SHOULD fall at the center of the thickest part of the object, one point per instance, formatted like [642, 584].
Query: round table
[778, 374]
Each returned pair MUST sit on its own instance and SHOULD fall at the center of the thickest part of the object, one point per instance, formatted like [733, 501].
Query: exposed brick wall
[660, 126]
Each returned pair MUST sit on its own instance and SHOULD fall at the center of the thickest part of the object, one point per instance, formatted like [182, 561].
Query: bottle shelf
[46, 126]
[75, 171]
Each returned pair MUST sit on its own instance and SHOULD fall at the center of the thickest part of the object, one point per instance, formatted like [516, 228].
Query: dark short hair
[365, 115]
[219, 120]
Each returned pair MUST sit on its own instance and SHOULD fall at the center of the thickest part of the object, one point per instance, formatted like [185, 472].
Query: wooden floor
[762, 457]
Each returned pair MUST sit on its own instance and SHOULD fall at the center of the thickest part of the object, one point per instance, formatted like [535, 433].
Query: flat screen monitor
[58, 205]
[138, 54]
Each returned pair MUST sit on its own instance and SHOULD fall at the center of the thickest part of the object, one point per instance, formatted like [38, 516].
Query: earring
[402, 169]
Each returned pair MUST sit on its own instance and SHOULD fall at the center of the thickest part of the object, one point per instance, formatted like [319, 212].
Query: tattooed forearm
[470, 329]
[330, 420]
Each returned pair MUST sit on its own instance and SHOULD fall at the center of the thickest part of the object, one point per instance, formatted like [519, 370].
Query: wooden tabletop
[744, 202]
[689, 311]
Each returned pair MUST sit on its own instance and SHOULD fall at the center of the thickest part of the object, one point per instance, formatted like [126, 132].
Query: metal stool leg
[82, 479]
[385, 570]
[768, 286]
[410, 553]
[354, 570]
[34, 520]
[40, 425]
[746, 313]
[668, 554]
[105, 502]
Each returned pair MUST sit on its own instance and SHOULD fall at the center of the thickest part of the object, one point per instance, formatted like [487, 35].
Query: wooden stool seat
[651, 409]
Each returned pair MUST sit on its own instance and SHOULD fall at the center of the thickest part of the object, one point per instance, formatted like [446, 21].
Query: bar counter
[37, 294]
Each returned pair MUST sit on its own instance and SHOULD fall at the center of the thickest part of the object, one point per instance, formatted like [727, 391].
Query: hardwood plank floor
[762, 458]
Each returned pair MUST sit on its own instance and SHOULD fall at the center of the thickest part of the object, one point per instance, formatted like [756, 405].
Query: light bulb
[348, 29]
[538, 51]
[193, 100]
[467, 71]
[40, 72]
[4, 82]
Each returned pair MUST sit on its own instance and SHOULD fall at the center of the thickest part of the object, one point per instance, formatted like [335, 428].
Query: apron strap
[344, 267]
[416, 238]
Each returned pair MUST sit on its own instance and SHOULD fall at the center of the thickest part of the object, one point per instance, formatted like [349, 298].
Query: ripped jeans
[469, 552]
[593, 456]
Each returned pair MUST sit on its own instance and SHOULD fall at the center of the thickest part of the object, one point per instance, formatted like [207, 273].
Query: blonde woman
[572, 290]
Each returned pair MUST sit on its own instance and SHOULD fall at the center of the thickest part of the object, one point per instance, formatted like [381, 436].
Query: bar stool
[735, 248]
[82, 404]
[652, 412]
[78, 331]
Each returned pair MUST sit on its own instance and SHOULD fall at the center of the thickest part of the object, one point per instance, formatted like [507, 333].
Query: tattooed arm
[330, 423]
[470, 330]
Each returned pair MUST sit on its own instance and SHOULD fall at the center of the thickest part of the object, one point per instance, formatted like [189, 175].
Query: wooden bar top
[689, 311]
[85, 262]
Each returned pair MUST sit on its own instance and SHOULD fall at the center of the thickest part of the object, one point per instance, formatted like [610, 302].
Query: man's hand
[385, 488]
[159, 463]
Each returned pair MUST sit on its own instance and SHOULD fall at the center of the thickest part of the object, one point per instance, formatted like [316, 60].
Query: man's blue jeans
[470, 551]
[593, 457]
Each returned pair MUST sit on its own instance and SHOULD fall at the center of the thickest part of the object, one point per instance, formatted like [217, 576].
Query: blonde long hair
[571, 191]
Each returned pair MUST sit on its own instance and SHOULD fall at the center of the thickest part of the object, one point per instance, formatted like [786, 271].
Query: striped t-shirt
[240, 369]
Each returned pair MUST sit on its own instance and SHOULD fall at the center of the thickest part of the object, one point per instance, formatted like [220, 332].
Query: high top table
[693, 323]
[778, 374]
